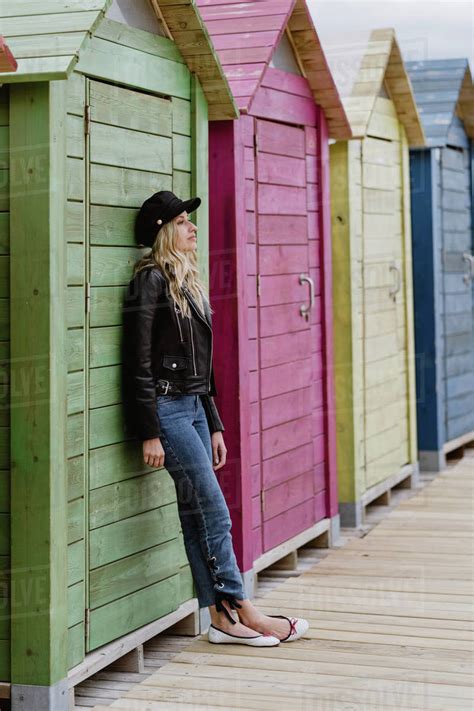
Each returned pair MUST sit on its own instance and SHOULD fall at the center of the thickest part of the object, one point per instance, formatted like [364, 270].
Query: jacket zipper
[179, 325]
[210, 368]
[192, 343]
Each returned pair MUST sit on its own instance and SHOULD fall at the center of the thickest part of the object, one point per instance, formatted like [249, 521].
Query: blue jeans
[203, 512]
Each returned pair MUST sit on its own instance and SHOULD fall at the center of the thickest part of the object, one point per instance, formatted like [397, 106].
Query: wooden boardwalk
[391, 617]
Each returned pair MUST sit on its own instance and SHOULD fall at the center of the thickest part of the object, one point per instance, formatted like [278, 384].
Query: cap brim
[183, 205]
[191, 205]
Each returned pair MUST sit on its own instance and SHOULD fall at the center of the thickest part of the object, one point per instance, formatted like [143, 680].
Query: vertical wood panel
[5, 379]
[38, 353]
[409, 355]
[324, 206]
[200, 176]
[426, 249]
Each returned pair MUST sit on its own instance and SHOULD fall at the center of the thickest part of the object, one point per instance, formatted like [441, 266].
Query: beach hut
[98, 115]
[442, 182]
[372, 282]
[270, 276]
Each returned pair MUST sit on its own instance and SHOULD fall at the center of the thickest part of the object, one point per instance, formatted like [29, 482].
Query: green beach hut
[105, 107]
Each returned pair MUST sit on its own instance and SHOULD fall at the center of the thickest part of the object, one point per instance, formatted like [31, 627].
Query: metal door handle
[304, 309]
[398, 284]
[470, 273]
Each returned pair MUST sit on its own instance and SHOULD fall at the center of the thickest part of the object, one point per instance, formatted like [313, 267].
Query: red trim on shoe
[292, 622]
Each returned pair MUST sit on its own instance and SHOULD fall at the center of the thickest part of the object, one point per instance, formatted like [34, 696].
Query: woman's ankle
[223, 618]
[248, 611]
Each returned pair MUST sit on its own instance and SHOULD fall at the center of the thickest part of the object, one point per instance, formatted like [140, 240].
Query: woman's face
[186, 239]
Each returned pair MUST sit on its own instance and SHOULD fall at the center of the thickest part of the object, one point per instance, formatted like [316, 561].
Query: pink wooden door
[286, 382]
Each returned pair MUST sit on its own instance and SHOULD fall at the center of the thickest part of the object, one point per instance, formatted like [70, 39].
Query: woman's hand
[219, 451]
[153, 453]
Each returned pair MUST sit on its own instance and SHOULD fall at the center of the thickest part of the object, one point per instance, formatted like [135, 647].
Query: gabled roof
[246, 34]
[47, 37]
[182, 23]
[443, 89]
[382, 65]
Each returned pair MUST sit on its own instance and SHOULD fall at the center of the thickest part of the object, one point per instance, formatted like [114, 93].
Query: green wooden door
[384, 298]
[127, 542]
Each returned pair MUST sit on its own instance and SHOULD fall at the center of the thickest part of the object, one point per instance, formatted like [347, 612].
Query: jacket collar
[193, 303]
[207, 316]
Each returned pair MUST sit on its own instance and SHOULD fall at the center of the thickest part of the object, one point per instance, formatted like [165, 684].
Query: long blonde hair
[179, 268]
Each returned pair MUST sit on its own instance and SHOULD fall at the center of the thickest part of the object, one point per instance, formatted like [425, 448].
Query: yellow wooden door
[383, 297]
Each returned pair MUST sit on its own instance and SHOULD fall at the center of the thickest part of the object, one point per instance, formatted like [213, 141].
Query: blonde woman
[169, 389]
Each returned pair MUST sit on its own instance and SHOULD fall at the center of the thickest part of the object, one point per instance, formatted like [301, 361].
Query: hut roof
[46, 38]
[382, 65]
[443, 88]
[246, 34]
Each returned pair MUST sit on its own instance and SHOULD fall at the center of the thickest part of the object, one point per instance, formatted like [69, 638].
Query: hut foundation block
[26, 697]
[434, 461]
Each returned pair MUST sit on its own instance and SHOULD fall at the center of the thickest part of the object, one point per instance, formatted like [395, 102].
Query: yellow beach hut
[373, 291]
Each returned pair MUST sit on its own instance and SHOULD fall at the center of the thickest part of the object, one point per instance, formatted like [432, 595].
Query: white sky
[426, 29]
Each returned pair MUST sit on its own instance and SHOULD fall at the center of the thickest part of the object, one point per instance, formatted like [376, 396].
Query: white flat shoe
[298, 627]
[217, 636]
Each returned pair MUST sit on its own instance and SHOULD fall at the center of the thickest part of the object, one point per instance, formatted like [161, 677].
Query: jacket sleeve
[213, 419]
[139, 321]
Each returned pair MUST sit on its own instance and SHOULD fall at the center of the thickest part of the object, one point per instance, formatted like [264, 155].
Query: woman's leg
[247, 612]
[203, 512]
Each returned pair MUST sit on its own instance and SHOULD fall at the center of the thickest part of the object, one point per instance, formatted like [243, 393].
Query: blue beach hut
[443, 258]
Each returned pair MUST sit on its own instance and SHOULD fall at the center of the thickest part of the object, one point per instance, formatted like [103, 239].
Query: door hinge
[262, 500]
[88, 297]
[87, 120]
[255, 144]
[259, 285]
[87, 620]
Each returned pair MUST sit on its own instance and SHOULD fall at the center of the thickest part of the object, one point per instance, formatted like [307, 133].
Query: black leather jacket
[159, 343]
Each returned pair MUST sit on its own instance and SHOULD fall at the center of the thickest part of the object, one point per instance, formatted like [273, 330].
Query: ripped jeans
[203, 511]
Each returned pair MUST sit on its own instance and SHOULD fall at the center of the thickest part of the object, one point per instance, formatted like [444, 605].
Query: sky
[426, 29]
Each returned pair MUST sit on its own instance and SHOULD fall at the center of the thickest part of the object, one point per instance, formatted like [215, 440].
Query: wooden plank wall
[123, 523]
[385, 337]
[282, 183]
[5, 390]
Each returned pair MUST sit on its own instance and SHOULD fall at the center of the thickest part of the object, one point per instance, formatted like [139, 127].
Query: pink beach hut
[270, 276]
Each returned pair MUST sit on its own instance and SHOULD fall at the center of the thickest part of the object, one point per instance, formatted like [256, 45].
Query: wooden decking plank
[391, 623]
[369, 580]
[200, 674]
[323, 666]
[416, 658]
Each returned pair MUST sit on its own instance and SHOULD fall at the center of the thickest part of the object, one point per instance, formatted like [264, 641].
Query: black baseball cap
[156, 211]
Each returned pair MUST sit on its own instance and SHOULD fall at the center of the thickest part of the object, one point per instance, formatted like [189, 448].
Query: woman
[169, 389]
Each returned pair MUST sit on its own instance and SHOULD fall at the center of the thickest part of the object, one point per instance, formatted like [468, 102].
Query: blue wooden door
[457, 302]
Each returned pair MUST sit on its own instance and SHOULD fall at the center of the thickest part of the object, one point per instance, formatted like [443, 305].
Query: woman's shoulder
[147, 283]
[150, 273]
